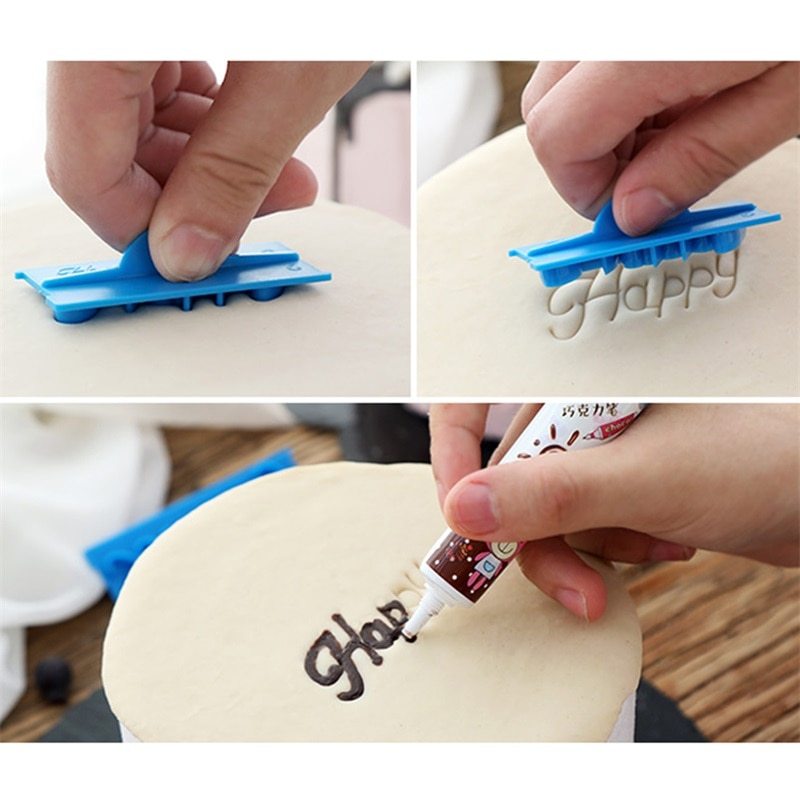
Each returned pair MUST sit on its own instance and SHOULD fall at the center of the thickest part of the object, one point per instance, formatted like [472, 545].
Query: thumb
[550, 495]
[706, 146]
[238, 155]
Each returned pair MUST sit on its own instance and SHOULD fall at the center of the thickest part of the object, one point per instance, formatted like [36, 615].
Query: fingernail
[573, 601]
[474, 510]
[189, 253]
[667, 551]
[644, 209]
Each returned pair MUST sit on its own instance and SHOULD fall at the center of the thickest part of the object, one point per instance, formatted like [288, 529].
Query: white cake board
[622, 731]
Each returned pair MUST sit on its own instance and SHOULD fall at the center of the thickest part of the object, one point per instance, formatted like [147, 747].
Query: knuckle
[126, 68]
[538, 136]
[705, 161]
[556, 495]
[236, 181]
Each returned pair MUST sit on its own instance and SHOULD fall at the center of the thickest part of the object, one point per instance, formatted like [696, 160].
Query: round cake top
[291, 346]
[271, 614]
[662, 330]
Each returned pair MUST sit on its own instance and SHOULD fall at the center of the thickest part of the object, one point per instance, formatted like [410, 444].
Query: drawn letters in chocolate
[373, 636]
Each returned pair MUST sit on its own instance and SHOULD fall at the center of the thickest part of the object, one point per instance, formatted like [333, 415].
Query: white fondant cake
[710, 326]
[292, 346]
[270, 614]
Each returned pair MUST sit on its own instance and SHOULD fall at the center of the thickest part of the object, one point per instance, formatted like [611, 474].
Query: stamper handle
[136, 258]
[605, 226]
[137, 261]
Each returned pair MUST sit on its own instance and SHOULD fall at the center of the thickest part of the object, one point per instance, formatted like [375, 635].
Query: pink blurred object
[360, 152]
[374, 165]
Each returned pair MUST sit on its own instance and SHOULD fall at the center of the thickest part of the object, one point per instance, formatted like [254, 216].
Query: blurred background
[85, 488]
[461, 104]
[360, 151]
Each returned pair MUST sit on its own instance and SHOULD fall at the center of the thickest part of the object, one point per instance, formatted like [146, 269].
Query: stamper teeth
[719, 228]
[263, 295]
[77, 292]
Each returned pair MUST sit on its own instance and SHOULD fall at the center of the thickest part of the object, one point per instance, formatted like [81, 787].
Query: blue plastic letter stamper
[77, 292]
[114, 557]
[720, 228]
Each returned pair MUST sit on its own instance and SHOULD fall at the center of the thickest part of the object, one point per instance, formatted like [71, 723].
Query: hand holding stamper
[655, 136]
[160, 145]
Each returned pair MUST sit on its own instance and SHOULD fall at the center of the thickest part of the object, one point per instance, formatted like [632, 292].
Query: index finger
[456, 433]
[546, 75]
[93, 118]
[576, 125]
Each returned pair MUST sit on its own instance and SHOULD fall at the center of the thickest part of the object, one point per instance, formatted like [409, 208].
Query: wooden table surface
[721, 634]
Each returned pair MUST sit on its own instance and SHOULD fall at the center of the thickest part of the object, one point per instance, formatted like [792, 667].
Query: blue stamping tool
[719, 228]
[77, 292]
[114, 557]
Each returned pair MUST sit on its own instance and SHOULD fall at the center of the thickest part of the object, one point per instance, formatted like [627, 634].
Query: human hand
[133, 145]
[717, 477]
[656, 135]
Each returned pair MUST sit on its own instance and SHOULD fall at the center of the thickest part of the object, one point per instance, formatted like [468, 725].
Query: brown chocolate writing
[373, 636]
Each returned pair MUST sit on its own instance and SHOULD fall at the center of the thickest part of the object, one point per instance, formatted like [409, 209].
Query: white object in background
[457, 107]
[625, 726]
[22, 172]
[66, 482]
[185, 415]
[372, 168]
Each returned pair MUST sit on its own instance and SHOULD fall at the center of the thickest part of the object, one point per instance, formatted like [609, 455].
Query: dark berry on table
[53, 678]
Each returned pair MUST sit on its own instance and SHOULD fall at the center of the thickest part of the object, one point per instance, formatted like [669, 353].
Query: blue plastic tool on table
[77, 292]
[719, 228]
[114, 557]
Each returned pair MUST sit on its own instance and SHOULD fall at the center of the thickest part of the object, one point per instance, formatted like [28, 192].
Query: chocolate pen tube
[459, 571]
